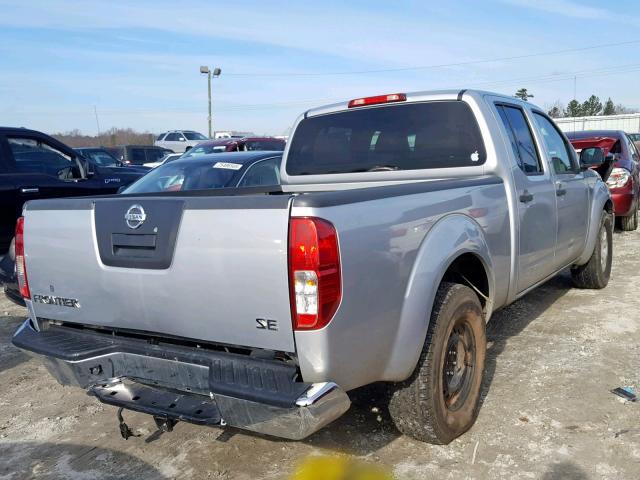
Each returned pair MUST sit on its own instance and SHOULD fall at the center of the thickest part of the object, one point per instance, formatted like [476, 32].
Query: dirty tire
[630, 222]
[596, 272]
[432, 405]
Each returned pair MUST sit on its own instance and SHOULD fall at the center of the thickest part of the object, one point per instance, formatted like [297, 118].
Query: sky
[89, 65]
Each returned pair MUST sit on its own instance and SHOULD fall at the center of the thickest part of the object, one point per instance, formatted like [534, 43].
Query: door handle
[29, 190]
[526, 197]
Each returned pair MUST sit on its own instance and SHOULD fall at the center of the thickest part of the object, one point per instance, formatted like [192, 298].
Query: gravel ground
[547, 409]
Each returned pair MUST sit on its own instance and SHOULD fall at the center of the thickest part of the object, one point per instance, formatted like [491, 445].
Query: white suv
[179, 140]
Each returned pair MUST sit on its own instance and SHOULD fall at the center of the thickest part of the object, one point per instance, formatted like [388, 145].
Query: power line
[610, 70]
[425, 67]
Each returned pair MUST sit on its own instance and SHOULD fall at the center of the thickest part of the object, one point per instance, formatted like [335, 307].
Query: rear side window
[171, 137]
[153, 155]
[160, 137]
[524, 147]
[400, 137]
[265, 172]
[137, 156]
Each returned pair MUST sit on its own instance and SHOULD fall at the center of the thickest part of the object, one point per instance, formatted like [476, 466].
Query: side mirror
[591, 157]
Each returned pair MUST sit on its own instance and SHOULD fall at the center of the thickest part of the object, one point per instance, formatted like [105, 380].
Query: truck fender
[451, 236]
[601, 201]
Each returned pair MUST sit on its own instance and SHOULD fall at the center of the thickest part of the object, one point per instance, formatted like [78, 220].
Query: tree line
[592, 106]
[110, 138]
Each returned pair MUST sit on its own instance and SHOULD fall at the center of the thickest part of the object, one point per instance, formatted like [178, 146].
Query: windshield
[204, 150]
[102, 158]
[183, 176]
[412, 136]
[194, 136]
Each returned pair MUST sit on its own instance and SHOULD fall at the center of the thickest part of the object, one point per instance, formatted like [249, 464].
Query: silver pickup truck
[402, 222]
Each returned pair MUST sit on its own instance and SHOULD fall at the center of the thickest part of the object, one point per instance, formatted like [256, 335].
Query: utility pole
[95, 110]
[210, 73]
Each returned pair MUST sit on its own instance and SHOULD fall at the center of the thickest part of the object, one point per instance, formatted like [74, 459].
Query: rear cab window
[413, 136]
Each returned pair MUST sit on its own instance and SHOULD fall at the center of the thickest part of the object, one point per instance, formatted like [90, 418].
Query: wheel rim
[604, 249]
[457, 372]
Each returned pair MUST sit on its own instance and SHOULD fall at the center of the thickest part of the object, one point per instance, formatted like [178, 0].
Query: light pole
[210, 73]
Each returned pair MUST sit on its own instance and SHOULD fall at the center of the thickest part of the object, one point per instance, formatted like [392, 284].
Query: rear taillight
[21, 267]
[314, 272]
[391, 98]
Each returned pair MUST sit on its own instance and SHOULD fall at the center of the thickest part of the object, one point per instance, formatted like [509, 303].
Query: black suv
[138, 154]
[34, 165]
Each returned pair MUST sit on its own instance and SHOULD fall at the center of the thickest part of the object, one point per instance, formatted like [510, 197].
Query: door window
[35, 156]
[266, 172]
[154, 155]
[137, 156]
[171, 137]
[560, 154]
[522, 143]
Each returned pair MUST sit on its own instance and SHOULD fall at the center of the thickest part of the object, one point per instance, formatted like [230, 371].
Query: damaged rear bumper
[186, 383]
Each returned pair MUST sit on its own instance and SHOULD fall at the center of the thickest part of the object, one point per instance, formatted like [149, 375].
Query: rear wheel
[441, 399]
[596, 272]
[630, 222]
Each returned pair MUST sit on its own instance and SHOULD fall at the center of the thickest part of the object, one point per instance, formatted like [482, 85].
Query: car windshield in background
[272, 145]
[194, 136]
[182, 176]
[441, 134]
[102, 158]
[204, 150]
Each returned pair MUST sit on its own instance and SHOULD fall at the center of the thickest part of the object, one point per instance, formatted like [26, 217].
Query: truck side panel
[379, 255]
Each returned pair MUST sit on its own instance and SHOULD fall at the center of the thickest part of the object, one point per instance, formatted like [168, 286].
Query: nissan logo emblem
[135, 216]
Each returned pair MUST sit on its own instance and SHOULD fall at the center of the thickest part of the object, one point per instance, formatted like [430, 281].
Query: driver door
[39, 169]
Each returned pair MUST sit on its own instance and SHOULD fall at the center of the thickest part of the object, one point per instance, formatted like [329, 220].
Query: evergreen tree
[591, 106]
[574, 109]
[609, 107]
[523, 94]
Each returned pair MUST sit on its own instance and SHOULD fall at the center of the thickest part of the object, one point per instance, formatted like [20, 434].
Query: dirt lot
[547, 410]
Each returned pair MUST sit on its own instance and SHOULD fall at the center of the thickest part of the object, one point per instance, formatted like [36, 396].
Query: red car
[624, 181]
[246, 144]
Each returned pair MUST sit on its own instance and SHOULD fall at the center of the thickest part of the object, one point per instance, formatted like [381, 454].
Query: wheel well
[609, 206]
[187, 149]
[469, 270]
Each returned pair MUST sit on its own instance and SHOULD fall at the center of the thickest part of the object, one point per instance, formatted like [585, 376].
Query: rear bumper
[184, 383]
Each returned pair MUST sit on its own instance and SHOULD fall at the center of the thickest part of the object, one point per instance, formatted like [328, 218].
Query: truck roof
[421, 96]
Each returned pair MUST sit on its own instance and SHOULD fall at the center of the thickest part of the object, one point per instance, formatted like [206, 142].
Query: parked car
[204, 172]
[169, 157]
[402, 222]
[138, 154]
[34, 165]
[247, 144]
[179, 141]
[103, 158]
[624, 181]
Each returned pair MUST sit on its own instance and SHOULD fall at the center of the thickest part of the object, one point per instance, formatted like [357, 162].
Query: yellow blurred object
[338, 468]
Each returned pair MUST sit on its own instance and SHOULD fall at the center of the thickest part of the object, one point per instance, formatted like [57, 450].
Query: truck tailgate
[203, 268]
